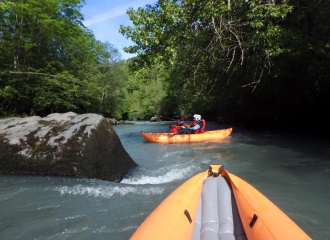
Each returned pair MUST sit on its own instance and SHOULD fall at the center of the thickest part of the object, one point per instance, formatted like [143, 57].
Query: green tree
[35, 57]
[146, 91]
[243, 58]
[112, 83]
[208, 44]
[49, 62]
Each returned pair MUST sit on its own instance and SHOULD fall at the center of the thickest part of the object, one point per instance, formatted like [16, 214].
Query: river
[293, 171]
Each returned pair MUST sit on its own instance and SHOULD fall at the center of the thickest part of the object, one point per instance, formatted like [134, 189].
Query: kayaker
[198, 125]
[180, 122]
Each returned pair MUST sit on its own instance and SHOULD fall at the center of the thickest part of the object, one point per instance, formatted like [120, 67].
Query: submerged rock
[112, 121]
[155, 119]
[67, 144]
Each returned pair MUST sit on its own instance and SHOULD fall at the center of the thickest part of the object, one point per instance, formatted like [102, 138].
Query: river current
[293, 171]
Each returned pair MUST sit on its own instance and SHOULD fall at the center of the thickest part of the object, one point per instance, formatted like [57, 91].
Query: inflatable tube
[216, 204]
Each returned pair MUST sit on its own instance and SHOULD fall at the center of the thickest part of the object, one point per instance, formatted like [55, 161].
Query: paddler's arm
[193, 128]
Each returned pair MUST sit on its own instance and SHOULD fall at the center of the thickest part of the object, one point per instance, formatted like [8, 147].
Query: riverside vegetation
[256, 59]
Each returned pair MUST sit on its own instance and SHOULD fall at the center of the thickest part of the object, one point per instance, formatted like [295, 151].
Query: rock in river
[68, 144]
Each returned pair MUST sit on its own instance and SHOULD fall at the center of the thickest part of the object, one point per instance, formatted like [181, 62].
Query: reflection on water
[292, 171]
[209, 144]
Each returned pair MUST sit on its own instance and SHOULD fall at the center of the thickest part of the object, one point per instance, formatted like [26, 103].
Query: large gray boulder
[67, 144]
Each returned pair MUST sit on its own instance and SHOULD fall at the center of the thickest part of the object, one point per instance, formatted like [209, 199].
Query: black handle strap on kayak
[253, 221]
[214, 174]
[187, 215]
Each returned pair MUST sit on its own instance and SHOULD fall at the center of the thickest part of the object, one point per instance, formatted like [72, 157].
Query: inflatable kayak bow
[218, 205]
[186, 138]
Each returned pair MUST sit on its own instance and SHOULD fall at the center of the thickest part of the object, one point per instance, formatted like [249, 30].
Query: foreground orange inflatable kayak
[216, 204]
[186, 138]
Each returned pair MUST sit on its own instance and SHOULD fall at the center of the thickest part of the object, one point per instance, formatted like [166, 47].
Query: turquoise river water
[292, 171]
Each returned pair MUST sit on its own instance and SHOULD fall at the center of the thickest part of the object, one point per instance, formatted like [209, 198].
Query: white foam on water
[67, 233]
[117, 230]
[48, 207]
[107, 192]
[206, 161]
[173, 175]
[76, 216]
[129, 216]
[176, 153]
[125, 229]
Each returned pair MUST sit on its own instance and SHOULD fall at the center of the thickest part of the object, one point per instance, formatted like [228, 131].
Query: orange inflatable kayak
[216, 204]
[186, 138]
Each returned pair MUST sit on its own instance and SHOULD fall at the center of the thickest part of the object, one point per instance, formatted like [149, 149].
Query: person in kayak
[198, 126]
[180, 122]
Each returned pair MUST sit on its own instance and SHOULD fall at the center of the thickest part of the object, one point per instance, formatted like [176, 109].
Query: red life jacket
[178, 122]
[202, 126]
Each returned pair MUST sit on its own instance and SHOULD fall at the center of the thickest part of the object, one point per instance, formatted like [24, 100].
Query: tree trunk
[32, 111]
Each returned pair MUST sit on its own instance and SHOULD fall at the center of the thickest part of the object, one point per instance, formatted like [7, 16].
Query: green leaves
[7, 92]
[50, 62]
[233, 57]
[230, 52]
[146, 92]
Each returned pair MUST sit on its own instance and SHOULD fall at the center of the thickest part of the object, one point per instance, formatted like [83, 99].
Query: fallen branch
[43, 74]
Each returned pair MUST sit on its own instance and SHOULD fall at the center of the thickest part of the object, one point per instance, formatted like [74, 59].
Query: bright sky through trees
[105, 17]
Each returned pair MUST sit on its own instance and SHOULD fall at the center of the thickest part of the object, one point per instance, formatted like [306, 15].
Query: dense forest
[256, 60]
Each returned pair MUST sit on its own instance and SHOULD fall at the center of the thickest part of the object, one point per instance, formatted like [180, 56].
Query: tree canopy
[49, 62]
[237, 58]
[240, 58]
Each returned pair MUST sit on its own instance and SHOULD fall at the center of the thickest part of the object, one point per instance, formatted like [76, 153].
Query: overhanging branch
[42, 74]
